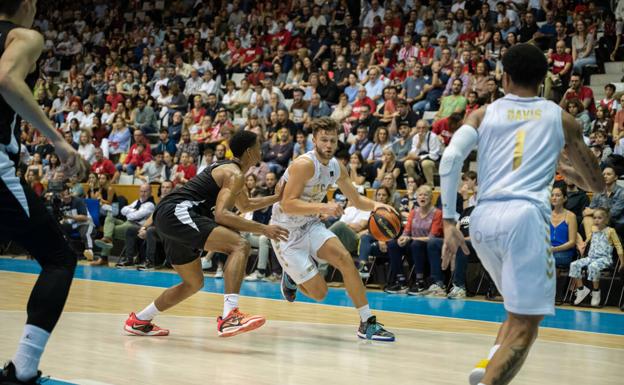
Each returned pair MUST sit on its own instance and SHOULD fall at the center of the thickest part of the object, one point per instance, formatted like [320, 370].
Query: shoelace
[373, 328]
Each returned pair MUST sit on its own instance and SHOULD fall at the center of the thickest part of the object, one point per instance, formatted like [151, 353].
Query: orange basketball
[384, 225]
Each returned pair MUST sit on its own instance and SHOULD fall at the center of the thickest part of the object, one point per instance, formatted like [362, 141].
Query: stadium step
[602, 80]
[616, 67]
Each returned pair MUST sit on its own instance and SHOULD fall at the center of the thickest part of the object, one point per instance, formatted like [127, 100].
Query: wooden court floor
[300, 344]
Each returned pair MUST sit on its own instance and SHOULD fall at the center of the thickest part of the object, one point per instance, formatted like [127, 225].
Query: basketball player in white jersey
[307, 180]
[519, 139]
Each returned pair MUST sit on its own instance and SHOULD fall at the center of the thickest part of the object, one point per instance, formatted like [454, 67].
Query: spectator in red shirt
[469, 34]
[398, 74]
[426, 51]
[185, 170]
[114, 98]
[472, 102]
[139, 154]
[561, 66]
[361, 100]
[445, 127]
[103, 165]
[256, 76]
[578, 91]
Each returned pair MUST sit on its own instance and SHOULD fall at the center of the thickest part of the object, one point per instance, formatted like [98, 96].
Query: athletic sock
[29, 352]
[365, 313]
[230, 302]
[493, 351]
[148, 313]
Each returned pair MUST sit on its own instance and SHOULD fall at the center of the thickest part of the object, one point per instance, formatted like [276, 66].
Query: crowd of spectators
[151, 91]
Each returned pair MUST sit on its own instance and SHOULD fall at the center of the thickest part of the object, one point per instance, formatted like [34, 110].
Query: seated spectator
[86, 149]
[390, 182]
[361, 143]
[445, 127]
[342, 111]
[575, 108]
[381, 142]
[299, 108]
[563, 229]
[603, 121]
[610, 103]
[165, 143]
[302, 145]
[352, 231]
[600, 256]
[279, 154]
[423, 223]
[494, 92]
[472, 102]
[35, 165]
[388, 164]
[317, 109]
[144, 117]
[578, 91]
[139, 154]
[357, 170]
[50, 168]
[185, 170]
[75, 217]
[175, 127]
[187, 145]
[136, 214]
[146, 234]
[611, 199]
[582, 47]
[403, 144]
[424, 154]
[151, 172]
[34, 181]
[102, 165]
[454, 102]
[558, 76]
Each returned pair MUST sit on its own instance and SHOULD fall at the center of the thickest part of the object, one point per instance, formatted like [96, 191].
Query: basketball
[384, 225]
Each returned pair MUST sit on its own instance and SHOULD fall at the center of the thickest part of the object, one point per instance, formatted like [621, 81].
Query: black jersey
[202, 191]
[9, 120]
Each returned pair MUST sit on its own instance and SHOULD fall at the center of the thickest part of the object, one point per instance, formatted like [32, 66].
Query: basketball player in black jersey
[22, 214]
[198, 216]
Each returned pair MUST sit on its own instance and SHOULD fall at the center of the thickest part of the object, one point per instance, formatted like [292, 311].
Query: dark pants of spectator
[368, 246]
[415, 250]
[130, 168]
[434, 251]
[133, 242]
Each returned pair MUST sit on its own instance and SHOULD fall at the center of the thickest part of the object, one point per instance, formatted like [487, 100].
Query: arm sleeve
[463, 141]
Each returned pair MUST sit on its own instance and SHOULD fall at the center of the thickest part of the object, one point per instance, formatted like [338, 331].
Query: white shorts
[512, 240]
[295, 255]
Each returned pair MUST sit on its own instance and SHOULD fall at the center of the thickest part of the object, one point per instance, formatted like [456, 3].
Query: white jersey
[314, 191]
[520, 140]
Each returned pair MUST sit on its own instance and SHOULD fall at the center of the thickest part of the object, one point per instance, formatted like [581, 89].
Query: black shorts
[37, 231]
[182, 230]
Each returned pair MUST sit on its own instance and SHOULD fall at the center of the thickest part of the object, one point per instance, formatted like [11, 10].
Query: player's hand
[453, 239]
[383, 206]
[72, 163]
[275, 233]
[568, 171]
[332, 209]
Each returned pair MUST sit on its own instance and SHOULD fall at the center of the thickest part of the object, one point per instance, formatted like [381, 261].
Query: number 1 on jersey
[518, 149]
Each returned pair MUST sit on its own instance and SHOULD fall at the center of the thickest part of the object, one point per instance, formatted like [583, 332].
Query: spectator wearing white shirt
[375, 10]
[74, 113]
[86, 149]
[316, 20]
[374, 86]
[425, 153]
[87, 120]
[193, 84]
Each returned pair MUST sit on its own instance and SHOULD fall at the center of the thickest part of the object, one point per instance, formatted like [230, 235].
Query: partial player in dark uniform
[198, 216]
[22, 214]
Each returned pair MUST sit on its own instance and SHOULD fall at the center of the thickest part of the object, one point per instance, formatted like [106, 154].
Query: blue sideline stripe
[580, 320]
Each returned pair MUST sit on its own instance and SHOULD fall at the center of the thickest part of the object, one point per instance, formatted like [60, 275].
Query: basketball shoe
[139, 327]
[478, 372]
[288, 287]
[237, 322]
[373, 330]
[8, 376]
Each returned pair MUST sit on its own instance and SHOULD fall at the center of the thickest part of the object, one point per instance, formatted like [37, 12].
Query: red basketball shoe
[138, 327]
[236, 323]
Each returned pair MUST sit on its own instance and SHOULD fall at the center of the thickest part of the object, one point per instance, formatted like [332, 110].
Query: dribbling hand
[275, 233]
[332, 209]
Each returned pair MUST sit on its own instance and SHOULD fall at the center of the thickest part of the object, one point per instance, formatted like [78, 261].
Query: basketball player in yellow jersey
[519, 139]
[307, 180]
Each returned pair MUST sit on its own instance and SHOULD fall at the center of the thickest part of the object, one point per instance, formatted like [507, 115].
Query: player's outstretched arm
[246, 204]
[359, 201]
[22, 51]
[463, 142]
[577, 162]
[231, 185]
[299, 173]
